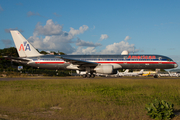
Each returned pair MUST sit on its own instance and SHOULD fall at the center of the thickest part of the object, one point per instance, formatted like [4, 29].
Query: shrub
[160, 110]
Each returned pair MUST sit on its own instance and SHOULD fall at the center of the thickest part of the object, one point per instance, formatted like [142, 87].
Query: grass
[85, 99]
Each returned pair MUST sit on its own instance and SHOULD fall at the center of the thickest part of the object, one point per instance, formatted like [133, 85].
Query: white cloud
[88, 50]
[29, 14]
[1, 9]
[84, 43]
[127, 38]
[55, 38]
[117, 48]
[82, 29]
[103, 36]
[52, 43]
[52, 37]
[49, 29]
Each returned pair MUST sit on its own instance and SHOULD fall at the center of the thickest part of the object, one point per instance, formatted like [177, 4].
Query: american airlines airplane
[91, 64]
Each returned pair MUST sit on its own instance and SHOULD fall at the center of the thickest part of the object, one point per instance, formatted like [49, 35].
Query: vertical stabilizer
[126, 71]
[141, 71]
[24, 48]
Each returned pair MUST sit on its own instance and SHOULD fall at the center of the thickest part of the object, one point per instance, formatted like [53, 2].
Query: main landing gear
[88, 75]
[155, 76]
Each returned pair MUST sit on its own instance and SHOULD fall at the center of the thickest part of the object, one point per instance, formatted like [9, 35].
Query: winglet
[24, 48]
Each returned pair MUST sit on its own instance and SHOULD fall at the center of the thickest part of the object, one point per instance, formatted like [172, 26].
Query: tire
[88, 75]
[84, 76]
[155, 76]
[92, 75]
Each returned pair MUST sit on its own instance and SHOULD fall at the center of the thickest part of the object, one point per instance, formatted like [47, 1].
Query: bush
[160, 110]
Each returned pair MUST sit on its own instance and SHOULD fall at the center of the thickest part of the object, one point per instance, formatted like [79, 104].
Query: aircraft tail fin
[169, 73]
[126, 71]
[24, 48]
[142, 70]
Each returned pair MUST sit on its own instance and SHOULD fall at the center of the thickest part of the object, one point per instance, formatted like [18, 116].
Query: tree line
[7, 66]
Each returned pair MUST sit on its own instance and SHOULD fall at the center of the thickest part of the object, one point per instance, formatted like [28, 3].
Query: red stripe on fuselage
[138, 62]
[49, 62]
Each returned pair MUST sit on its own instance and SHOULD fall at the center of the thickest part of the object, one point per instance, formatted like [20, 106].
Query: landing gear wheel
[155, 76]
[88, 75]
[92, 75]
[84, 76]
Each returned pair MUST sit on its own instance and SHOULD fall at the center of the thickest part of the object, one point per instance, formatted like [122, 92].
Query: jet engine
[104, 69]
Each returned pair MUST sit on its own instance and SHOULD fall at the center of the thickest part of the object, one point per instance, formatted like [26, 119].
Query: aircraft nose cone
[176, 65]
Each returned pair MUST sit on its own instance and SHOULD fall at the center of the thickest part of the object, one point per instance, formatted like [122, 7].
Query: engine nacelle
[104, 69]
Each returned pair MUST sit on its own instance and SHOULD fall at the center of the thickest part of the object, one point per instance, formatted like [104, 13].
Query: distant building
[51, 53]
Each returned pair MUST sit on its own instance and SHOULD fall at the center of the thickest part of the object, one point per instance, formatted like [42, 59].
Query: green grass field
[85, 99]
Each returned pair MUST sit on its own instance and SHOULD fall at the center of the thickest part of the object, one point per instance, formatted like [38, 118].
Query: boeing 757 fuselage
[102, 64]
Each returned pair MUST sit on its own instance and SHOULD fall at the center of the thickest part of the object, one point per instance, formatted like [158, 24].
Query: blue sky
[94, 26]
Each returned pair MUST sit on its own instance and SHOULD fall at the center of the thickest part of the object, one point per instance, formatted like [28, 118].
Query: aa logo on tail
[25, 45]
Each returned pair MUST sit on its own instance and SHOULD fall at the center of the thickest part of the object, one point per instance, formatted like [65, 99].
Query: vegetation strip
[103, 99]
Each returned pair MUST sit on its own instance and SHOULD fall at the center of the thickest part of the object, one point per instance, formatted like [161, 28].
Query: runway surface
[78, 77]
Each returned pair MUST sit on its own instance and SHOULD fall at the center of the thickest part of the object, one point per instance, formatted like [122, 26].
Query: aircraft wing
[79, 62]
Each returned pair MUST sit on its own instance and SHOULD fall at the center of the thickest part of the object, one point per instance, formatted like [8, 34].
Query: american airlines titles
[141, 57]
